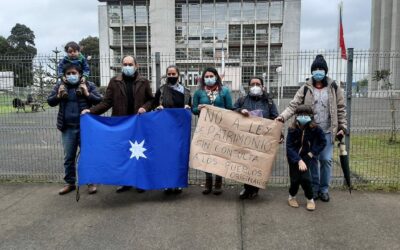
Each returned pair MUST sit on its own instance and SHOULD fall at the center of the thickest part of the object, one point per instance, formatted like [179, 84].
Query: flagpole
[339, 56]
[269, 45]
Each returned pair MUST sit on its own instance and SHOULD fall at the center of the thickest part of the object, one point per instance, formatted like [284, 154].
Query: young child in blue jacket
[75, 57]
[305, 140]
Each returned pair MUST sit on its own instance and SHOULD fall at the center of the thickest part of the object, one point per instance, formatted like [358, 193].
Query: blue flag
[148, 151]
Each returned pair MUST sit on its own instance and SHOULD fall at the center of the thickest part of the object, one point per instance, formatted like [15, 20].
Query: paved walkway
[34, 216]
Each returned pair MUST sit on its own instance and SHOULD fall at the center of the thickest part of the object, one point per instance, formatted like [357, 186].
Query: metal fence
[30, 144]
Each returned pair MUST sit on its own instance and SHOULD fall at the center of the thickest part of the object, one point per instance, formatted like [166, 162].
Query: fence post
[349, 84]
[158, 70]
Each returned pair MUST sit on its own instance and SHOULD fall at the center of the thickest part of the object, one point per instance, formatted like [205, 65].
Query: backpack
[305, 90]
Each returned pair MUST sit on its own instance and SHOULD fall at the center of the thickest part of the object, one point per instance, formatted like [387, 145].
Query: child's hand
[84, 89]
[83, 80]
[302, 166]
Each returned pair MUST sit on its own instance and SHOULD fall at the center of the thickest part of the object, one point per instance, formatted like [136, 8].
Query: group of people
[318, 107]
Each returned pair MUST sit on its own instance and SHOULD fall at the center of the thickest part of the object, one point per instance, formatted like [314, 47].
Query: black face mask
[172, 80]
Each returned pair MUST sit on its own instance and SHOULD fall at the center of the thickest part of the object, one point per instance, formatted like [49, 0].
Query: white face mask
[256, 91]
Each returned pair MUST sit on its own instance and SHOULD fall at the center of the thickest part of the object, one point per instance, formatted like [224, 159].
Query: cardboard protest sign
[235, 147]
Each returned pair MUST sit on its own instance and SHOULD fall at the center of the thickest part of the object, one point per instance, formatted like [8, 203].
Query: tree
[22, 43]
[43, 81]
[90, 48]
[4, 46]
[383, 75]
[21, 37]
[362, 86]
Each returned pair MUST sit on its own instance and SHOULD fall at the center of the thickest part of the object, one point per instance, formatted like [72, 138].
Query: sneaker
[293, 202]
[310, 205]
[324, 197]
[92, 189]
[67, 189]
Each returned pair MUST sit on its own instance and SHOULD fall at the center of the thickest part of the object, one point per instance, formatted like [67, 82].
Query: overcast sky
[56, 22]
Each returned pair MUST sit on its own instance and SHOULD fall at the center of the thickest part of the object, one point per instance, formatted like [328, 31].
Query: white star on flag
[137, 150]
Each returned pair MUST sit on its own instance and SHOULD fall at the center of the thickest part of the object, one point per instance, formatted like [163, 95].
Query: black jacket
[300, 142]
[264, 102]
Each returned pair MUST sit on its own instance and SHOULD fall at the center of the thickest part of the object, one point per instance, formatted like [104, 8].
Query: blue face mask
[128, 70]
[303, 119]
[318, 75]
[73, 79]
[210, 81]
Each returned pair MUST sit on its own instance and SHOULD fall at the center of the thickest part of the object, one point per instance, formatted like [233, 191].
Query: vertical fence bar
[349, 84]
[158, 70]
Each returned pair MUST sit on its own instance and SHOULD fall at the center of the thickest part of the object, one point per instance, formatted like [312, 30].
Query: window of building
[180, 34]
[262, 32]
[194, 31]
[248, 11]
[221, 32]
[234, 53]
[180, 54]
[275, 34]
[248, 33]
[128, 15]
[276, 13]
[207, 11]
[194, 11]
[127, 36]
[194, 53]
[114, 13]
[208, 53]
[207, 34]
[178, 10]
[141, 11]
[221, 10]
[248, 54]
[235, 10]
[140, 34]
[262, 10]
[234, 33]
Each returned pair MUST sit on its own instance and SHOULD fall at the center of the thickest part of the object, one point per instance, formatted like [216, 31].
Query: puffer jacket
[337, 105]
[300, 142]
[83, 102]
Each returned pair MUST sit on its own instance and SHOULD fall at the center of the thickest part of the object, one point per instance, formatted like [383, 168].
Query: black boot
[218, 185]
[208, 185]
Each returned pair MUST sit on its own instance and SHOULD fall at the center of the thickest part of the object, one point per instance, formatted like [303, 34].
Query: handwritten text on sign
[236, 147]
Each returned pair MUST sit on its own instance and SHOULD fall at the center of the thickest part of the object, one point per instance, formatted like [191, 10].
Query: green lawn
[6, 104]
[372, 158]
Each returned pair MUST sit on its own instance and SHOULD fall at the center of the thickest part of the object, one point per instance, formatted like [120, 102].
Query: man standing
[68, 118]
[327, 99]
[127, 94]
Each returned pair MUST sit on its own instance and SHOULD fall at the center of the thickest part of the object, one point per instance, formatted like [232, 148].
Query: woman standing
[172, 95]
[211, 92]
[257, 100]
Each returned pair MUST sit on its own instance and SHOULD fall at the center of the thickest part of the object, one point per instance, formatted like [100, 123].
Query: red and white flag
[342, 45]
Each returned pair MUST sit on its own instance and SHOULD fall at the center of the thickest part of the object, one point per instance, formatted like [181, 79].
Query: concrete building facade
[231, 35]
[385, 40]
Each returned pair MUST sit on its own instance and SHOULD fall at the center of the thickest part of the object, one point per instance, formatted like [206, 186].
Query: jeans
[321, 176]
[70, 140]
